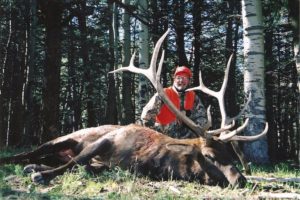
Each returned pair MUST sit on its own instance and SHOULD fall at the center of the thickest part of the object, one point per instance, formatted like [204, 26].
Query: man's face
[181, 82]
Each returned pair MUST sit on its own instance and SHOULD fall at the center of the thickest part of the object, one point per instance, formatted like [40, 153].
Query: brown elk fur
[136, 148]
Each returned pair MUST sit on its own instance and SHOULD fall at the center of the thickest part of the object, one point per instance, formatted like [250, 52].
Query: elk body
[143, 150]
[136, 148]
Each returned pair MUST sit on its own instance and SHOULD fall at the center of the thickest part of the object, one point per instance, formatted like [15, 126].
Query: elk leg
[46, 148]
[91, 150]
[96, 167]
[241, 156]
[32, 168]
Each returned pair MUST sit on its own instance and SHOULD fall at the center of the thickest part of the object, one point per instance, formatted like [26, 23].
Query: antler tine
[220, 130]
[150, 73]
[156, 51]
[130, 67]
[203, 88]
[226, 137]
[226, 74]
[160, 67]
[251, 138]
[229, 120]
[206, 90]
[219, 95]
[209, 119]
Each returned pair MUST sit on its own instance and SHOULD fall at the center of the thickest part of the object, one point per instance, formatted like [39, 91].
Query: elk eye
[210, 158]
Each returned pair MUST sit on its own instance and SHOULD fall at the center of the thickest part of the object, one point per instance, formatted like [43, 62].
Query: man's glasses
[181, 78]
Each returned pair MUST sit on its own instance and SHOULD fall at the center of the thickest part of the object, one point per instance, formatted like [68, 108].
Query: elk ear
[180, 148]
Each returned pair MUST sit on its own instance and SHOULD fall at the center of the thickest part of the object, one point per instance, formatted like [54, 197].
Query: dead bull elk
[141, 149]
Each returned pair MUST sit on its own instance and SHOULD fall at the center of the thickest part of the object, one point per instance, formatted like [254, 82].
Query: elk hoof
[28, 169]
[38, 178]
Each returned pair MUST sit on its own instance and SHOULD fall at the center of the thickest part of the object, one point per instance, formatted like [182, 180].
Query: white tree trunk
[116, 58]
[297, 58]
[257, 151]
[143, 58]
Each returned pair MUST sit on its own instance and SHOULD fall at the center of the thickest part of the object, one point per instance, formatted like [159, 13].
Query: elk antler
[226, 135]
[154, 78]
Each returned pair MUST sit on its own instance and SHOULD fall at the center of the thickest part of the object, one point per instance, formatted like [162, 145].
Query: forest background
[56, 54]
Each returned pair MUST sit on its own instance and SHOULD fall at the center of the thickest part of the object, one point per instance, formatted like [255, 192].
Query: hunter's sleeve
[151, 110]
[198, 114]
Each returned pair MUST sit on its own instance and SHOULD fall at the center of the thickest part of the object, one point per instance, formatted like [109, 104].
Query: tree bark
[18, 62]
[5, 82]
[144, 62]
[230, 99]
[165, 25]
[257, 151]
[179, 19]
[53, 15]
[91, 118]
[11, 94]
[294, 14]
[29, 135]
[111, 109]
[294, 7]
[197, 25]
[74, 83]
[270, 84]
[127, 80]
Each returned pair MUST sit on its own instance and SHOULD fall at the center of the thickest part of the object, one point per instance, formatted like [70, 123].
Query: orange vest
[165, 116]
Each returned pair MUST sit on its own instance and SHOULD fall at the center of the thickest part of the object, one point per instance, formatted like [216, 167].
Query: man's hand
[149, 123]
[178, 121]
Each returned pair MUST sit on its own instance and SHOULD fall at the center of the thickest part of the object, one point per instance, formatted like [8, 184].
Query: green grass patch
[121, 184]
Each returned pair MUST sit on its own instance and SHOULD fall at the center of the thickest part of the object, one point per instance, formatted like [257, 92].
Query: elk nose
[235, 177]
[241, 182]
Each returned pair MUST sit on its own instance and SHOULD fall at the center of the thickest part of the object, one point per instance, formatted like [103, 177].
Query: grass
[120, 184]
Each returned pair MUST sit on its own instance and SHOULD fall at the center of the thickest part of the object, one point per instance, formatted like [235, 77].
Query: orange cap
[183, 70]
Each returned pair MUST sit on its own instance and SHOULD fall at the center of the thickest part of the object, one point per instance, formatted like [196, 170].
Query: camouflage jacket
[173, 129]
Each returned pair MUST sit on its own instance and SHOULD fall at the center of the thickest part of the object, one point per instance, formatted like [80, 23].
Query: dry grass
[120, 184]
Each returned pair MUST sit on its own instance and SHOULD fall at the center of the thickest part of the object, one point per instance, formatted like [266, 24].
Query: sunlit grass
[280, 170]
[121, 184]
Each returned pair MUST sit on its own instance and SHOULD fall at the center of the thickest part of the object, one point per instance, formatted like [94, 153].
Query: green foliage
[121, 184]
[284, 169]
